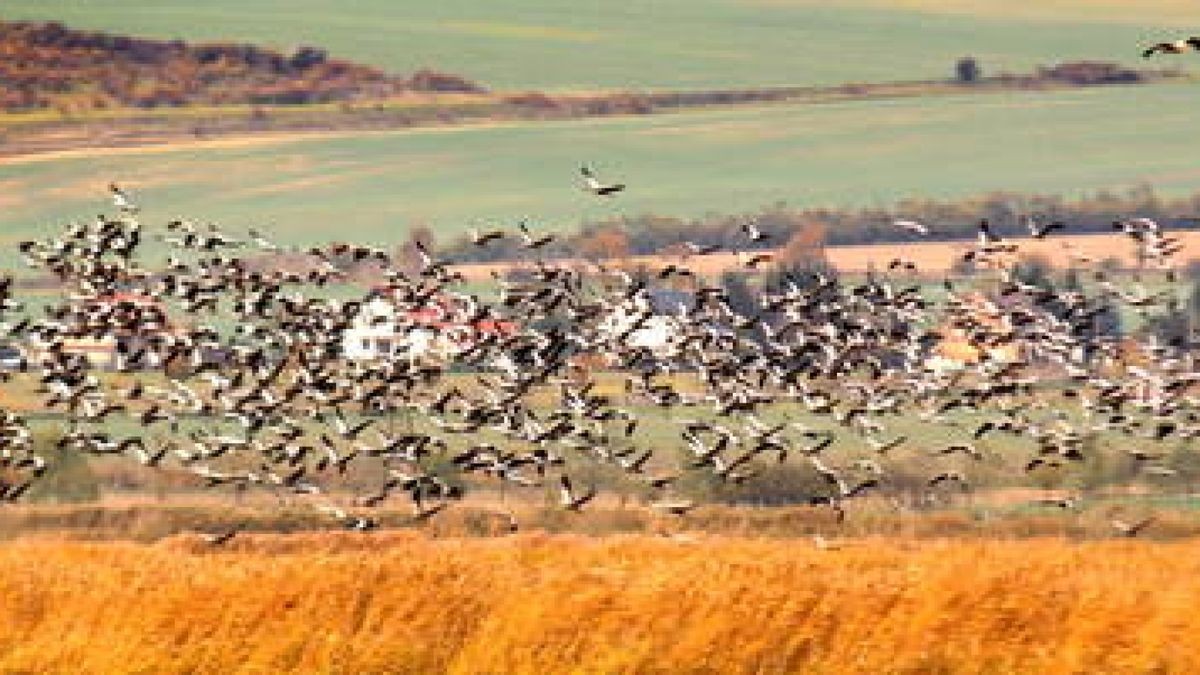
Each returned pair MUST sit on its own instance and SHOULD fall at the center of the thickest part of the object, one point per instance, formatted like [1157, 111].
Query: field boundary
[40, 132]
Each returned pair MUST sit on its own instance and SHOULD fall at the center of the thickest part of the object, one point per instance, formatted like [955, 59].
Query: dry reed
[402, 602]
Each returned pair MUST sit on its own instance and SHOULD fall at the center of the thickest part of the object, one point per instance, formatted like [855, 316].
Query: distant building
[956, 349]
[381, 330]
[661, 334]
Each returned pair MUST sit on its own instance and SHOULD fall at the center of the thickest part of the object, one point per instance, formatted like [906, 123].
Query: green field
[373, 187]
[656, 43]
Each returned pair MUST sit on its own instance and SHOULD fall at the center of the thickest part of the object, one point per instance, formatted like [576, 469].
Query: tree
[805, 248]
[604, 243]
[967, 70]
[1034, 270]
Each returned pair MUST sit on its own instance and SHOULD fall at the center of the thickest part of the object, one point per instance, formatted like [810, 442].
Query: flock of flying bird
[275, 404]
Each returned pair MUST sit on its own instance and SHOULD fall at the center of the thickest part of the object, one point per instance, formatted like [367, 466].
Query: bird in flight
[222, 537]
[1191, 44]
[593, 185]
[121, 199]
[753, 233]
[1039, 229]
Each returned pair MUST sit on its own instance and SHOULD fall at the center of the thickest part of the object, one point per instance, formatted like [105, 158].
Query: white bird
[593, 185]
[531, 241]
[752, 231]
[568, 498]
[121, 199]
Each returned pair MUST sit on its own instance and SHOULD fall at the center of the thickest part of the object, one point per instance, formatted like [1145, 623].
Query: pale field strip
[931, 258]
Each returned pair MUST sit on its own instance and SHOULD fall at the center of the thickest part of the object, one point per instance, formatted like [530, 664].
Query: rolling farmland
[378, 185]
[543, 44]
[590, 469]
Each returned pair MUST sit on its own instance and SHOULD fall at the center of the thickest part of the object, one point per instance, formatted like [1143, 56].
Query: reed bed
[404, 602]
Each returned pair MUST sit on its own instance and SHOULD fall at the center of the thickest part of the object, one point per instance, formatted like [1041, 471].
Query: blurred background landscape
[381, 128]
[453, 114]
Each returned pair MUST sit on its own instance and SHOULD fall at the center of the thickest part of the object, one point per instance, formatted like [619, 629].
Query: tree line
[653, 234]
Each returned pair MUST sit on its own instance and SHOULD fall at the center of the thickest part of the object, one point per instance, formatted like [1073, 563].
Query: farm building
[955, 349]
[382, 330]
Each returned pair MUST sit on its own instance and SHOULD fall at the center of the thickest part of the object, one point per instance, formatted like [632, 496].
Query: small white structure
[372, 335]
[660, 333]
[439, 332]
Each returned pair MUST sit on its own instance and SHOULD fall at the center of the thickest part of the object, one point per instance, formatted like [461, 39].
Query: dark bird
[483, 238]
[1038, 230]
[1191, 44]
[569, 499]
[222, 537]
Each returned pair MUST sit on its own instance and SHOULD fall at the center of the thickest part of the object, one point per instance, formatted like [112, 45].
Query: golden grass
[398, 602]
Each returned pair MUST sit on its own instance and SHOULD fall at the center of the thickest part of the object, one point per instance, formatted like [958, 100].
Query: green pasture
[549, 44]
[373, 187]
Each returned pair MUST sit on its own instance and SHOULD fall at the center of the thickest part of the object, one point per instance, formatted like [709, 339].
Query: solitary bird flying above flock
[1191, 44]
[593, 185]
[121, 199]
[481, 238]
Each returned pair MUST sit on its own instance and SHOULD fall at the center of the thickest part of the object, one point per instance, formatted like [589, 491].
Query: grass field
[405, 603]
[665, 43]
[374, 186]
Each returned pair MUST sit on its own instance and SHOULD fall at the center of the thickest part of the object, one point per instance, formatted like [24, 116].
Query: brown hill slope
[47, 65]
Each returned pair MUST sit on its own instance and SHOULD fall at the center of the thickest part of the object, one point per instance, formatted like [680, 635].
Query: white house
[439, 332]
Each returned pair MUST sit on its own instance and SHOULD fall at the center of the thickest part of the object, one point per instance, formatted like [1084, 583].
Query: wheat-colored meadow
[405, 602]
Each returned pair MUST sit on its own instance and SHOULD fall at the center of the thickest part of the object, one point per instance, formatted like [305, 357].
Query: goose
[693, 248]
[1190, 44]
[950, 477]
[422, 514]
[754, 260]
[569, 500]
[1039, 231]
[661, 482]
[479, 238]
[121, 199]
[529, 240]
[883, 447]
[593, 185]
[221, 538]
[752, 232]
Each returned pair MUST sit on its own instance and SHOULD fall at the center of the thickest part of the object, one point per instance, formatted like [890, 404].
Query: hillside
[860, 153]
[681, 44]
[47, 65]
